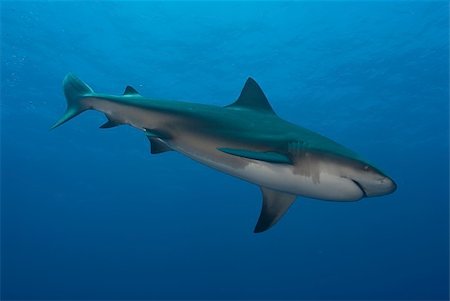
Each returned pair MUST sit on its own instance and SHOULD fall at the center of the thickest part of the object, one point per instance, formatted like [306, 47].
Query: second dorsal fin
[252, 97]
[130, 91]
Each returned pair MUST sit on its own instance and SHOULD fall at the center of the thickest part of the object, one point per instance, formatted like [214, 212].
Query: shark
[245, 139]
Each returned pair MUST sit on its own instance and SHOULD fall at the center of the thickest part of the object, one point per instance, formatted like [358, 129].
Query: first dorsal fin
[252, 97]
[275, 205]
[129, 90]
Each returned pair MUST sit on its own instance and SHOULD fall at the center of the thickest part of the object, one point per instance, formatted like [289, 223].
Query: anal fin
[109, 123]
[275, 205]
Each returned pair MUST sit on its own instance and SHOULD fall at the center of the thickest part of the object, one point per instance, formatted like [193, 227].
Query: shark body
[245, 139]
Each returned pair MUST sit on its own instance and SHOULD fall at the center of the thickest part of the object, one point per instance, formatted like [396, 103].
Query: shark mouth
[360, 187]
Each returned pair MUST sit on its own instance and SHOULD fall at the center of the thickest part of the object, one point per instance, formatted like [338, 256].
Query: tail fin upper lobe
[74, 90]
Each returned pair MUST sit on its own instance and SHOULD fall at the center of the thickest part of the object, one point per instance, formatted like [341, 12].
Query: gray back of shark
[245, 139]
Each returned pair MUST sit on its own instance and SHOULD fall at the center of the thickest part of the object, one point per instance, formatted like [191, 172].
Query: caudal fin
[74, 90]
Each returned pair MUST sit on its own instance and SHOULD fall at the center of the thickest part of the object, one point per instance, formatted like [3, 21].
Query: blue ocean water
[90, 214]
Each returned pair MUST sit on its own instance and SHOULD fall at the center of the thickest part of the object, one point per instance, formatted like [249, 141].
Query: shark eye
[366, 167]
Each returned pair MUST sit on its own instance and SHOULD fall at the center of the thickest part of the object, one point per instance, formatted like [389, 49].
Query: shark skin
[245, 139]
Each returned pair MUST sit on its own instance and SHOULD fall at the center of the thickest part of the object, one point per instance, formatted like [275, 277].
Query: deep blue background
[88, 213]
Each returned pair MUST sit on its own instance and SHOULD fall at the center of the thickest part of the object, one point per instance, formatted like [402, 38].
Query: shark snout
[388, 185]
[381, 185]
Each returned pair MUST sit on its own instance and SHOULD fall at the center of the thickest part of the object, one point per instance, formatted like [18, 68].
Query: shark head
[368, 178]
[340, 173]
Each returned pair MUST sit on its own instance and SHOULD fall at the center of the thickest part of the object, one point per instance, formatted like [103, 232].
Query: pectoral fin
[275, 204]
[273, 157]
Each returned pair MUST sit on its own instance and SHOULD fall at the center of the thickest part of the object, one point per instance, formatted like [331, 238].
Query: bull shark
[245, 139]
